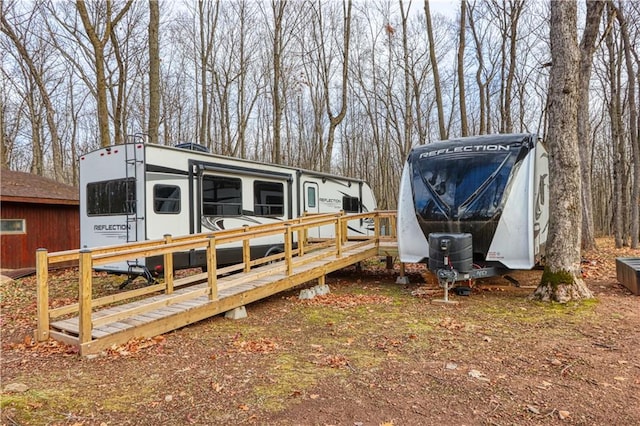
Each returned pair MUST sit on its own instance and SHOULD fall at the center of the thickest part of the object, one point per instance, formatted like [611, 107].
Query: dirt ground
[370, 353]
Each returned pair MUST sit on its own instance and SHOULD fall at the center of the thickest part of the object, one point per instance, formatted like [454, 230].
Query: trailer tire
[273, 250]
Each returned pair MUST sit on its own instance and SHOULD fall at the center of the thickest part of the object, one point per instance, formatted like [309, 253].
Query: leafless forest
[339, 86]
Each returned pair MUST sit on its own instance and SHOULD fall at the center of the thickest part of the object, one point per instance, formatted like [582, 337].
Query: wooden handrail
[166, 247]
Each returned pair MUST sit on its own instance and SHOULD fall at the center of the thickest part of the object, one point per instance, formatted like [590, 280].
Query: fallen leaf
[562, 414]
[533, 409]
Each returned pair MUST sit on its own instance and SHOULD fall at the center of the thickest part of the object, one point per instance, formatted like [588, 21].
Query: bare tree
[99, 42]
[336, 119]
[464, 127]
[633, 127]
[436, 74]
[562, 280]
[587, 49]
[617, 137]
[154, 71]
[278, 7]
[43, 92]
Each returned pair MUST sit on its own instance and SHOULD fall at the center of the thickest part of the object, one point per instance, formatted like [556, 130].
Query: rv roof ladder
[132, 161]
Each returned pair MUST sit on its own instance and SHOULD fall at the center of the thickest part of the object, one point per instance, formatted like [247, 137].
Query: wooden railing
[88, 259]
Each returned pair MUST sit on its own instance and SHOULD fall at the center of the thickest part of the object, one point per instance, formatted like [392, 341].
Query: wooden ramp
[147, 312]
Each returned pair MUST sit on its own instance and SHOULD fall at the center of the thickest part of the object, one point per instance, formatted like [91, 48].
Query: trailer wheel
[272, 251]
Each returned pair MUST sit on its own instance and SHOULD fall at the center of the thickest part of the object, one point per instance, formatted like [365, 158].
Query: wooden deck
[199, 297]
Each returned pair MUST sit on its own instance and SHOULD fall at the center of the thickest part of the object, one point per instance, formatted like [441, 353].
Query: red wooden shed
[36, 212]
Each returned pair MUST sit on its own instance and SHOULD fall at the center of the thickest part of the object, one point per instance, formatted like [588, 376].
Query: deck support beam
[42, 270]
[84, 296]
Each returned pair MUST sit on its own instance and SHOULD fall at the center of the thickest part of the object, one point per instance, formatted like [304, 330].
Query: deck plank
[189, 303]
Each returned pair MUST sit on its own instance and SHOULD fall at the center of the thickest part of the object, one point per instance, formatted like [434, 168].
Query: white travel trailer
[139, 191]
[475, 205]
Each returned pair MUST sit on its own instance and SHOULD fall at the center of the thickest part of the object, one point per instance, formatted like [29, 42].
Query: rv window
[311, 197]
[268, 198]
[221, 196]
[446, 188]
[350, 204]
[166, 199]
[111, 197]
[13, 226]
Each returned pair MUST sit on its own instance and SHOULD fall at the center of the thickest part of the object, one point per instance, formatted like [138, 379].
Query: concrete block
[307, 293]
[321, 290]
[402, 280]
[237, 313]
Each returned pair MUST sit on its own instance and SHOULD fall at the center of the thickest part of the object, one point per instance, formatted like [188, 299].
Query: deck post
[376, 227]
[345, 226]
[42, 276]
[338, 236]
[306, 229]
[392, 226]
[212, 272]
[301, 233]
[288, 252]
[84, 296]
[168, 266]
[246, 251]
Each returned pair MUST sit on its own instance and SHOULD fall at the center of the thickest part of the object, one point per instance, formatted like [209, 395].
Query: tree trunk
[561, 280]
[278, 7]
[335, 120]
[154, 71]
[587, 49]
[615, 115]
[98, 43]
[464, 127]
[44, 95]
[633, 128]
[436, 75]
[482, 87]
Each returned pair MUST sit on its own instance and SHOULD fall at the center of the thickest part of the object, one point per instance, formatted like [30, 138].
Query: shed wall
[50, 226]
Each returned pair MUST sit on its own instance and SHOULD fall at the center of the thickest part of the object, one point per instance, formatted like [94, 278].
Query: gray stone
[16, 387]
[307, 293]
[236, 313]
[402, 280]
[322, 289]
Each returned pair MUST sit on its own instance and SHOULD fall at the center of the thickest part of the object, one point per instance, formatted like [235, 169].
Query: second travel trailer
[139, 191]
[475, 206]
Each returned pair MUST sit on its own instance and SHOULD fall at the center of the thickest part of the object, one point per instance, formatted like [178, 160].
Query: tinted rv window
[447, 187]
[351, 204]
[221, 196]
[311, 196]
[111, 197]
[166, 199]
[268, 198]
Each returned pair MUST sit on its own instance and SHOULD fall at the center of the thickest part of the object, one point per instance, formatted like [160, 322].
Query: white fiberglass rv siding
[516, 243]
[107, 219]
[521, 214]
[180, 192]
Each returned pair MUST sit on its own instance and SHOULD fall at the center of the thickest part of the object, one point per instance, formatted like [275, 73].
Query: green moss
[555, 279]
[289, 376]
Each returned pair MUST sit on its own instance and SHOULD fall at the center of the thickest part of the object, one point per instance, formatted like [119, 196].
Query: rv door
[311, 206]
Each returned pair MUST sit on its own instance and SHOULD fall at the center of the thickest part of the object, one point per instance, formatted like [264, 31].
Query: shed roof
[30, 188]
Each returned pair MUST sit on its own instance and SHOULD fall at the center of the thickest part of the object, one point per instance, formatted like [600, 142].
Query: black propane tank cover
[460, 251]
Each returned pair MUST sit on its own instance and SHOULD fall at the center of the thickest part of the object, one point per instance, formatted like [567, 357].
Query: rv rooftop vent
[193, 146]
